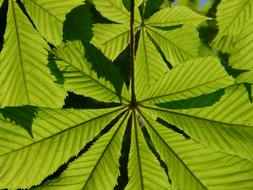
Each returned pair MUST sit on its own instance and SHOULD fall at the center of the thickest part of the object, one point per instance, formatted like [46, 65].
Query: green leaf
[78, 75]
[143, 173]
[96, 168]
[105, 68]
[241, 56]
[111, 39]
[194, 102]
[115, 11]
[227, 126]
[190, 79]
[232, 16]
[177, 45]
[57, 135]
[152, 6]
[49, 16]
[197, 167]
[149, 66]
[22, 116]
[24, 76]
[175, 16]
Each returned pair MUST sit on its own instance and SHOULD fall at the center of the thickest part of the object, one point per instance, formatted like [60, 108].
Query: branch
[132, 53]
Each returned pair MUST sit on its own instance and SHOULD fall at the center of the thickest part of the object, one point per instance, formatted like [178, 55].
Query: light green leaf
[177, 45]
[149, 66]
[24, 76]
[144, 169]
[49, 16]
[241, 56]
[190, 79]
[78, 75]
[98, 167]
[105, 68]
[57, 135]
[138, 2]
[227, 126]
[232, 15]
[115, 11]
[197, 167]
[111, 39]
[175, 16]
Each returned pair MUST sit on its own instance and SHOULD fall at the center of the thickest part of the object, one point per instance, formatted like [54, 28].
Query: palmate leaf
[79, 77]
[175, 16]
[149, 66]
[49, 16]
[177, 45]
[98, 167]
[141, 144]
[197, 167]
[232, 16]
[24, 76]
[144, 173]
[189, 79]
[225, 126]
[57, 135]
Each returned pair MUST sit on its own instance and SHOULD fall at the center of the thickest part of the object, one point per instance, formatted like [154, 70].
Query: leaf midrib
[187, 89]
[19, 51]
[45, 10]
[63, 131]
[138, 150]
[64, 60]
[232, 20]
[106, 147]
[197, 117]
[169, 40]
[174, 153]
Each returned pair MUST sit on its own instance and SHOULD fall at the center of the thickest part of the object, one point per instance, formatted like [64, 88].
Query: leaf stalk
[132, 54]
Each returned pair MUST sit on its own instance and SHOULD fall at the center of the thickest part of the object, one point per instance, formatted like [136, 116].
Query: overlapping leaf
[143, 173]
[175, 16]
[173, 43]
[206, 148]
[149, 66]
[241, 56]
[113, 10]
[24, 76]
[57, 135]
[88, 171]
[78, 75]
[49, 16]
[225, 126]
[177, 45]
[232, 16]
[189, 79]
[200, 167]
[111, 39]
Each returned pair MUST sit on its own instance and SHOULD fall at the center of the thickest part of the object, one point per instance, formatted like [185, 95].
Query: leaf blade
[200, 167]
[143, 174]
[78, 75]
[105, 152]
[192, 78]
[58, 135]
[25, 78]
[49, 16]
